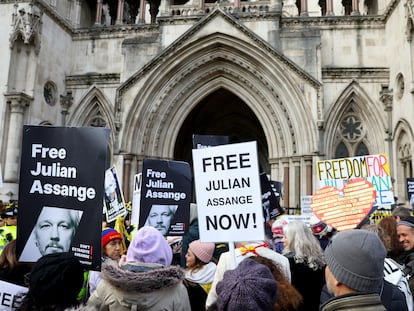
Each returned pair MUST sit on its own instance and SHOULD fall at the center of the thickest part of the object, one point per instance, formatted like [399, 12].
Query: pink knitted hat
[203, 251]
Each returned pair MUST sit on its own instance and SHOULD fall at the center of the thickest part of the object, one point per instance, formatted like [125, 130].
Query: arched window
[351, 135]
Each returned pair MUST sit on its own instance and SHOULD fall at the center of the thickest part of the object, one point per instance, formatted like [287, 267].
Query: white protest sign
[229, 198]
[305, 205]
[136, 198]
[11, 296]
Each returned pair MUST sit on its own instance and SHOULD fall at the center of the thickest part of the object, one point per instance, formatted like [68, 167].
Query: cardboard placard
[229, 199]
[344, 210]
[114, 198]
[61, 193]
[11, 295]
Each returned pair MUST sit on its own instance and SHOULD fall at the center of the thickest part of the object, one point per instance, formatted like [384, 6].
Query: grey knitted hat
[356, 259]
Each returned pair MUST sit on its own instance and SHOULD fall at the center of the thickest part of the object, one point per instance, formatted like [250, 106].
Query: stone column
[18, 102]
[274, 168]
[304, 8]
[308, 166]
[329, 8]
[141, 16]
[355, 7]
[126, 178]
[297, 181]
[120, 13]
[98, 19]
[286, 194]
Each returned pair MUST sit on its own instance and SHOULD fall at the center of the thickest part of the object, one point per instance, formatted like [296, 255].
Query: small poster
[136, 199]
[165, 196]
[205, 141]
[114, 198]
[61, 192]
[271, 207]
[410, 191]
[229, 198]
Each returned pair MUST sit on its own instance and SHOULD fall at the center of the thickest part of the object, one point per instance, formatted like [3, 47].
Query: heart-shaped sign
[344, 210]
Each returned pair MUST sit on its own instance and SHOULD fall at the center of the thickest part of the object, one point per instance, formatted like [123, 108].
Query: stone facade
[306, 79]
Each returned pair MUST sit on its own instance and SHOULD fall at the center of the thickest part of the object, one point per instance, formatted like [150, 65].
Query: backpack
[393, 273]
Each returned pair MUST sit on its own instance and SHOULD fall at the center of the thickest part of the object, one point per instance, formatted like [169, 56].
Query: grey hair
[304, 245]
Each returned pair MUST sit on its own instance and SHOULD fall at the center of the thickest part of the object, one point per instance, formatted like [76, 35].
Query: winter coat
[354, 302]
[308, 282]
[140, 286]
[391, 297]
[198, 285]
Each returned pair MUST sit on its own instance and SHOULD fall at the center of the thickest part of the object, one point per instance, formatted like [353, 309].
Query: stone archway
[234, 119]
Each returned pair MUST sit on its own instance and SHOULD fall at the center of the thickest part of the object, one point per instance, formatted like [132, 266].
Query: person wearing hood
[143, 279]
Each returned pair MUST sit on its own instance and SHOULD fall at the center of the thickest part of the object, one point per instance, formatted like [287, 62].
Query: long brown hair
[288, 298]
[389, 236]
[8, 256]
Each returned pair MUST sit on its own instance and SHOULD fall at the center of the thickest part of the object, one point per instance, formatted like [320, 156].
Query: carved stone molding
[27, 24]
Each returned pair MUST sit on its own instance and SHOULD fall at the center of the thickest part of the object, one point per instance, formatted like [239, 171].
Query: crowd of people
[304, 267]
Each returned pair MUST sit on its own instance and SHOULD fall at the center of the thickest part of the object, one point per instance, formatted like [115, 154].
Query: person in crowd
[277, 232]
[306, 261]
[393, 297]
[160, 217]
[244, 250]
[191, 235]
[354, 272]
[321, 231]
[288, 298]
[111, 250]
[389, 236]
[54, 283]
[401, 212]
[53, 232]
[405, 232]
[249, 287]
[199, 273]
[143, 279]
[10, 270]
[8, 231]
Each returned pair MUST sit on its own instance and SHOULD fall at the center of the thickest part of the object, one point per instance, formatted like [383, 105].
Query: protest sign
[11, 296]
[165, 196]
[305, 205]
[270, 203]
[373, 168]
[61, 193]
[229, 199]
[344, 209]
[205, 141]
[410, 191]
[136, 198]
[114, 198]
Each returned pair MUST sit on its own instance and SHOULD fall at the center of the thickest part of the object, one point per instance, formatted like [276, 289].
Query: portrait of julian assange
[53, 233]
[160, 217]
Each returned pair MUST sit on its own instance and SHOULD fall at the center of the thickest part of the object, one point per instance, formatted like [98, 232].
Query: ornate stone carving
[27, 24]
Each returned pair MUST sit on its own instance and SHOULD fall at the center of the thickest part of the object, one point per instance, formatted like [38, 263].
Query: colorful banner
[373, 168]
[61, 193]
[165, 196]
[229, 199]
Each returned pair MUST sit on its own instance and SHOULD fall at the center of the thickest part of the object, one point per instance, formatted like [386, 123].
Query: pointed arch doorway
[222, 113]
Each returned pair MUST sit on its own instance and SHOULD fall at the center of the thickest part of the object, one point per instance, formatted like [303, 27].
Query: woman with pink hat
[199, 273]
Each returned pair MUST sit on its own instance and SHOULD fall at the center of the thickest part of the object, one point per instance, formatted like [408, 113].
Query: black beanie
[56, 279]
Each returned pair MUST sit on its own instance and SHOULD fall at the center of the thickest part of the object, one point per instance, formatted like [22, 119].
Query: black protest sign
[165, 196]
[205, 141]
[270, 203]
[61, 193]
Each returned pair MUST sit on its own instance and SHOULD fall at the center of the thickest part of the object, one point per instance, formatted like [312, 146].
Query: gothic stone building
[307, 79]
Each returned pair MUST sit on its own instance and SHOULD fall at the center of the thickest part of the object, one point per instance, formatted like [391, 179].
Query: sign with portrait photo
[61, 189]
[114, 198]
[205, 141]
[165, 196]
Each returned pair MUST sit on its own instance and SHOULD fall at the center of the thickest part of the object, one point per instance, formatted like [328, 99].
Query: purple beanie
[150, 246]
[249, 287]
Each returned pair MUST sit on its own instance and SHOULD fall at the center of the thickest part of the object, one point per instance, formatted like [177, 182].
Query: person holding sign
[161, 216]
